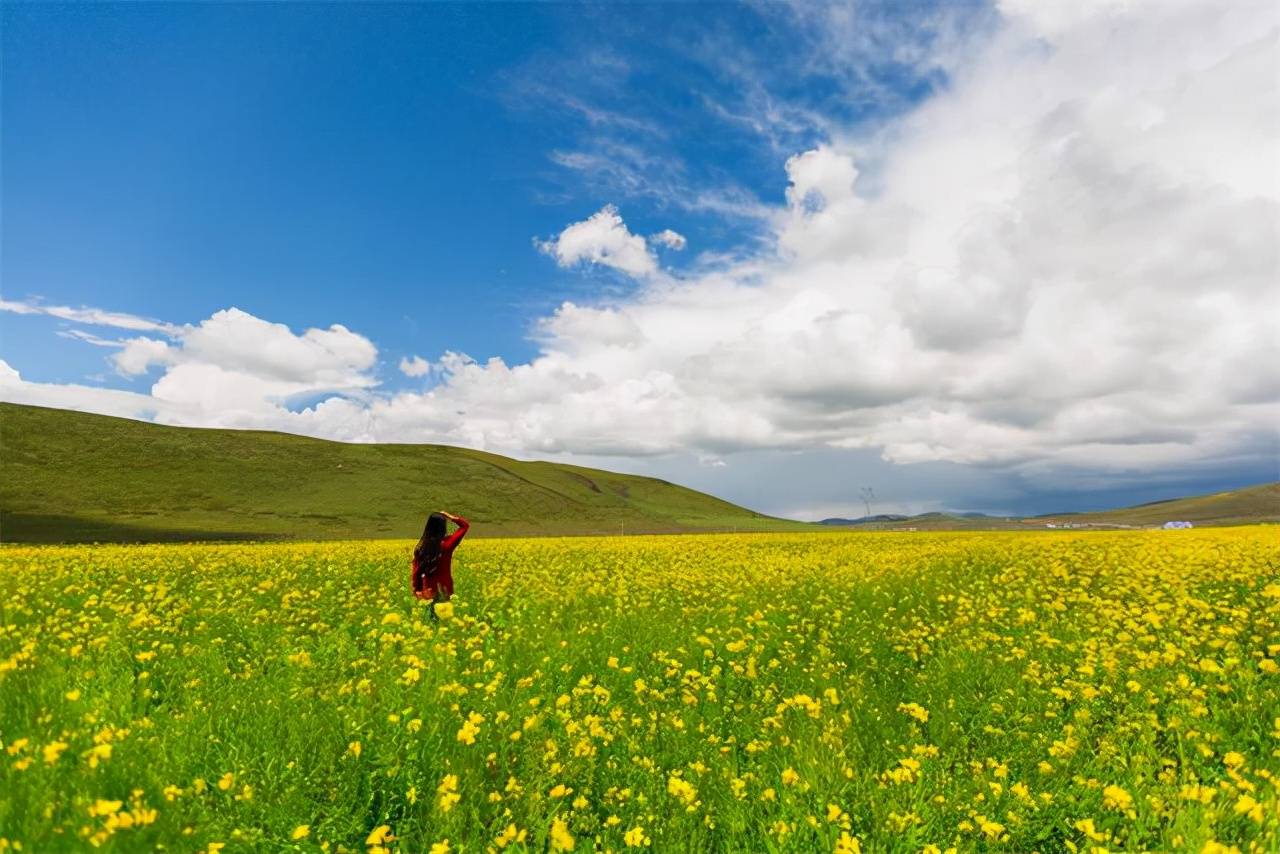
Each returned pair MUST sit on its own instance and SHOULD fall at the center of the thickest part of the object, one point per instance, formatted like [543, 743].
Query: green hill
[1237, 507]
[73, 477]
[1247, 506]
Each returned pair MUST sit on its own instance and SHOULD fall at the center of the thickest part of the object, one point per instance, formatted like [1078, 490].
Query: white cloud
[90, 316]
[1065, 262]
[822, 172]
[333, 358]
[602, 238]
[670, 239]
[415, 367]
[137, 355]
[232, 369]
[1067, 259]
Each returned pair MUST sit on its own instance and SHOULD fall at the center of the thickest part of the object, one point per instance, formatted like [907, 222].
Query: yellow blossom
[53, 750]
[561, 838]
[1116, 798]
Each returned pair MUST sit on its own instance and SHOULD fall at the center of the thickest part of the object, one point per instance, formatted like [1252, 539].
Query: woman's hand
[446, 514]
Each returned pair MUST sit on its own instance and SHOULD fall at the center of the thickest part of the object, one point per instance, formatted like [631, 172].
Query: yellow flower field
[784, 692]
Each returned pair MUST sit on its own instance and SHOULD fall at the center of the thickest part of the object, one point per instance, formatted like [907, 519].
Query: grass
[74, 477]
[762, 692]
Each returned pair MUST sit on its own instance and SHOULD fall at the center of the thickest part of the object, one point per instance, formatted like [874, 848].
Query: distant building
[1173, 525]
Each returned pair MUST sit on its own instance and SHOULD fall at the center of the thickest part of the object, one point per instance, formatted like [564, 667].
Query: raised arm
[456, 537]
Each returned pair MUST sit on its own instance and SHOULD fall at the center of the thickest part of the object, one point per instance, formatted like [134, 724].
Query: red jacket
[425, 586]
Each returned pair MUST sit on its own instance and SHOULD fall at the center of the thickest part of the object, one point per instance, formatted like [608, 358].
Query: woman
[432, 576]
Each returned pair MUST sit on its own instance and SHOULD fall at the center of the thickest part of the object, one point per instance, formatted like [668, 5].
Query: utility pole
[868, 495]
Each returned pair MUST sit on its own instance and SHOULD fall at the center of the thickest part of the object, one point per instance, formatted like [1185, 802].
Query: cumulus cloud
[137, 355]
[670, 239]
[415, 367]
[232, 369]
[1065, 262]
[602, 238]
[1067, 259]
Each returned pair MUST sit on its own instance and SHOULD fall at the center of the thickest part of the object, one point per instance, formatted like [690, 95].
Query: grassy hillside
[1251, 505]
[74, 477]
[1237, 507]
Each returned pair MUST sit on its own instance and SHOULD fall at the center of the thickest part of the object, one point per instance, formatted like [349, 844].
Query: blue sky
[173, 160]
[412, 172]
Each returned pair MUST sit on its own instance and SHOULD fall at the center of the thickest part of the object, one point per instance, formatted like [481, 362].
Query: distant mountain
[865, 520]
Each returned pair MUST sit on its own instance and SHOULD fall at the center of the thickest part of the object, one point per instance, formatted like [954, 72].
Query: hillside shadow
[33, 529]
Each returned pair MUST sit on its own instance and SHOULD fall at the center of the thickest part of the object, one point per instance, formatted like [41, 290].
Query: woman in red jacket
[432, 576]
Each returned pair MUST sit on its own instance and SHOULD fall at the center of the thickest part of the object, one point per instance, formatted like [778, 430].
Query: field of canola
[824, 692]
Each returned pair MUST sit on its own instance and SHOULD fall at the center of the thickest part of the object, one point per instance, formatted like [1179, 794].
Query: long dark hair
[427, 552]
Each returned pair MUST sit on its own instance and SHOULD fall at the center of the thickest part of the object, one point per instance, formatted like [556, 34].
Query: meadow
[761, 692]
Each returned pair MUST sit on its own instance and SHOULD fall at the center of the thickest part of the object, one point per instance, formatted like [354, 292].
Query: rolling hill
[1237, 507]
[74, 477]
[1246, 506]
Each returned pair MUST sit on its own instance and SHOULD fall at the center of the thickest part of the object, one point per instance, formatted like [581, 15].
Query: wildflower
[847, 844]
[682, 789]
[354, 749]
[990, 829]
[227, 781]
[511, 834]
[103, 807]
[1203, 794]
[444, 610]
[98, 753]
[1116, 798]
[379, 835]
[53, 750]
[914, 710]
[302, 831]
[1085, 826]
[790, 777]
[441, 847]
[448, 792]
[1214, 847]
[1247, 806]
[470, 728]
[635, 838]
[561, 838]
